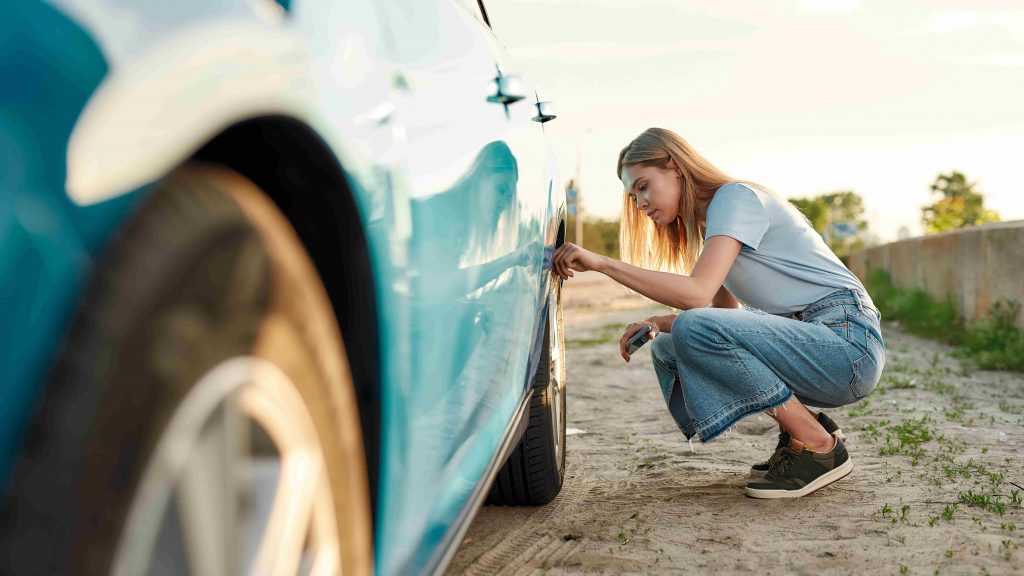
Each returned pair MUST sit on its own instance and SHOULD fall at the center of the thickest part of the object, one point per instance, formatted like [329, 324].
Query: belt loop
[858, 298]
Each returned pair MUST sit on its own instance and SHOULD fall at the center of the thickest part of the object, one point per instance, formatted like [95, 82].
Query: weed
[1007, 548]
[896, 382]
[862, 409]
[983, 501]
[992, 342]
[628, 533]
[1009, 408]
[872, 429]
[907, 437]
[947, 513]
[939, 387]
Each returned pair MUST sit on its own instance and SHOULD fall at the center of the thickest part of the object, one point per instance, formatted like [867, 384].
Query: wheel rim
[556, 386]
[203, 475]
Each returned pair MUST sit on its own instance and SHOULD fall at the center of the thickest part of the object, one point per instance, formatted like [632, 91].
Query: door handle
[507, 89]
[545, 112]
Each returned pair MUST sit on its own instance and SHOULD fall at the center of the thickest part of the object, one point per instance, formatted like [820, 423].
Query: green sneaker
[761, 468]
[796, 471]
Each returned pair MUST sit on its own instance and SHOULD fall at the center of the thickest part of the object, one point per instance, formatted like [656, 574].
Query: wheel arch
[289, 161]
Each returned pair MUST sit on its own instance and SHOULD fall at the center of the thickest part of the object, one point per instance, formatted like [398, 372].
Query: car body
[457, 200]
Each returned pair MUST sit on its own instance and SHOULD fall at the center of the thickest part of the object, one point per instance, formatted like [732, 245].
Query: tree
[837, 217]
[599, 235]
[959, 205]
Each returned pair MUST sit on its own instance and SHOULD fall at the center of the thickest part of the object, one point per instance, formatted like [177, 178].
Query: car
[277, 291]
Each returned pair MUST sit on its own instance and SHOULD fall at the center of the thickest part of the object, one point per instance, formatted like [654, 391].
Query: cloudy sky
[804, 96]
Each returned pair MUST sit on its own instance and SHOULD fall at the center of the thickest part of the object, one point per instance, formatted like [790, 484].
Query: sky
[804, 96]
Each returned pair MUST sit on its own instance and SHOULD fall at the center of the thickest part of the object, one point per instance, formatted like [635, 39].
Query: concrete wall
[976, 266]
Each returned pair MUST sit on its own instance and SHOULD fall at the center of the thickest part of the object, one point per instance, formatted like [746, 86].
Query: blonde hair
[677, 246]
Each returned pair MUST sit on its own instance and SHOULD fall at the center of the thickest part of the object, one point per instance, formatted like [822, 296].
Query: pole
[579, 193]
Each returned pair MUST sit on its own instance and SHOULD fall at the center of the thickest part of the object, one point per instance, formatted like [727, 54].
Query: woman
[808, 335]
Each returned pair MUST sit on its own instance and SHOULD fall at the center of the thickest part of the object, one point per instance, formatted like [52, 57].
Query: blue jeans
[721, 364]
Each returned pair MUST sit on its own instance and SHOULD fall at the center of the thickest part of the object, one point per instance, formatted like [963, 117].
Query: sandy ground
[936, 466]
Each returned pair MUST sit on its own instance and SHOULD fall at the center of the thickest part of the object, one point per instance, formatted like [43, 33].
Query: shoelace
[781, 460]
[774, 458]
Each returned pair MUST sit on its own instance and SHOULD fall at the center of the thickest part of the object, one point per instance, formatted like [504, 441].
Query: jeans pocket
[835, 319]
[868, 368]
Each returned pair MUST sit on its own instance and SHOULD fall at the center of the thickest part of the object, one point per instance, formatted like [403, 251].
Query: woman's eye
[643, 187]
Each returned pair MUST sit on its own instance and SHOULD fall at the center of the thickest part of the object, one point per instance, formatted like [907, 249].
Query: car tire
[204, 346]
[534, 472]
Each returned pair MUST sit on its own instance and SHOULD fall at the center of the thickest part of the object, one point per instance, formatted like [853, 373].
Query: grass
[988, 502]
[992, 342]
[905, 437]
[607, 334]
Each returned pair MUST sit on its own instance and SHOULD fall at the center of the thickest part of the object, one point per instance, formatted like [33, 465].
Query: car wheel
[201, 417]
[534, 472]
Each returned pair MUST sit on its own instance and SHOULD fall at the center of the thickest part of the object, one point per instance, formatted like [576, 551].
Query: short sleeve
[738, 212]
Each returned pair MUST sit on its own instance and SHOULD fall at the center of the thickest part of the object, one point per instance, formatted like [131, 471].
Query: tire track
[531, 543]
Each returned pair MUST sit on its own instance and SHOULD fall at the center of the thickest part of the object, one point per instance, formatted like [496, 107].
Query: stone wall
[975, 266]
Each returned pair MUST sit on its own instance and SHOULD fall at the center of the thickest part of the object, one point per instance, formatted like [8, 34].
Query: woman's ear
[671, 166]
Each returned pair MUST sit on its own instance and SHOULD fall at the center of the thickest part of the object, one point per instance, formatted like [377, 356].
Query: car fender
[151, 112]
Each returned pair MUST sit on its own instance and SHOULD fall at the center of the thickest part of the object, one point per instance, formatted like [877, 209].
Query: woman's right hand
[632, 329]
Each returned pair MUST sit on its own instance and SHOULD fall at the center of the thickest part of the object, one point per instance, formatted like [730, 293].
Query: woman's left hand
[569, 257]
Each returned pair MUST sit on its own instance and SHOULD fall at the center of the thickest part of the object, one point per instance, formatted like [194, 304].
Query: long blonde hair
[675, 247]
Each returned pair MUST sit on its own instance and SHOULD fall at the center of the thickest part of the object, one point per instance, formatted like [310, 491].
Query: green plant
[886, 510]
[947, 513]
[983, 501]
[992, 342]
[907, 437]
[1007, 548]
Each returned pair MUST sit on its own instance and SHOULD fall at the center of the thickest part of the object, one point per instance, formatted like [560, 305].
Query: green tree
[959, 205]
[599, 235]
[833, 216]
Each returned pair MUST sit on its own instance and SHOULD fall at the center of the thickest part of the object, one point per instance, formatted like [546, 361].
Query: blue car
[276, 289]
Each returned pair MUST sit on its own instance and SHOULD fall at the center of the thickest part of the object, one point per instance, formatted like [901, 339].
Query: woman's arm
[677, 291]
[725, 299]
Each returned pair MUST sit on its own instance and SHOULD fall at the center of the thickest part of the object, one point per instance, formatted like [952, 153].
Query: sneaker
[761, 468]
[797, 471]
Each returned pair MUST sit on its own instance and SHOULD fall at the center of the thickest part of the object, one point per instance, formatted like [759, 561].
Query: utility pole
[579, 187]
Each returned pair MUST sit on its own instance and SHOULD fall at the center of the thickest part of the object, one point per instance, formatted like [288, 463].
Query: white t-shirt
[784, 264]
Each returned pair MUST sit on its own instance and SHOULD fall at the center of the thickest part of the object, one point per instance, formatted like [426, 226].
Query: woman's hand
[569, 257]
[633, 329]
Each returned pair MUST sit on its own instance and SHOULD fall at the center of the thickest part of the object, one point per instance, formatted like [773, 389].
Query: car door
[473, 173]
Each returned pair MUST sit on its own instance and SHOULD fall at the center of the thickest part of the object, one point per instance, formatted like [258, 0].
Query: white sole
[820, 482]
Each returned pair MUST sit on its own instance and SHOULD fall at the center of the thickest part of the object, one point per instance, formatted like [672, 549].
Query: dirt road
[936, 486]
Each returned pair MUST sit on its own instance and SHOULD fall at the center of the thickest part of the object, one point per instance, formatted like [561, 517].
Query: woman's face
[654, 190]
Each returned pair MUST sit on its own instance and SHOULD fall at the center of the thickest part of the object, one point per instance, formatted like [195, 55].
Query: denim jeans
[721, 364]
